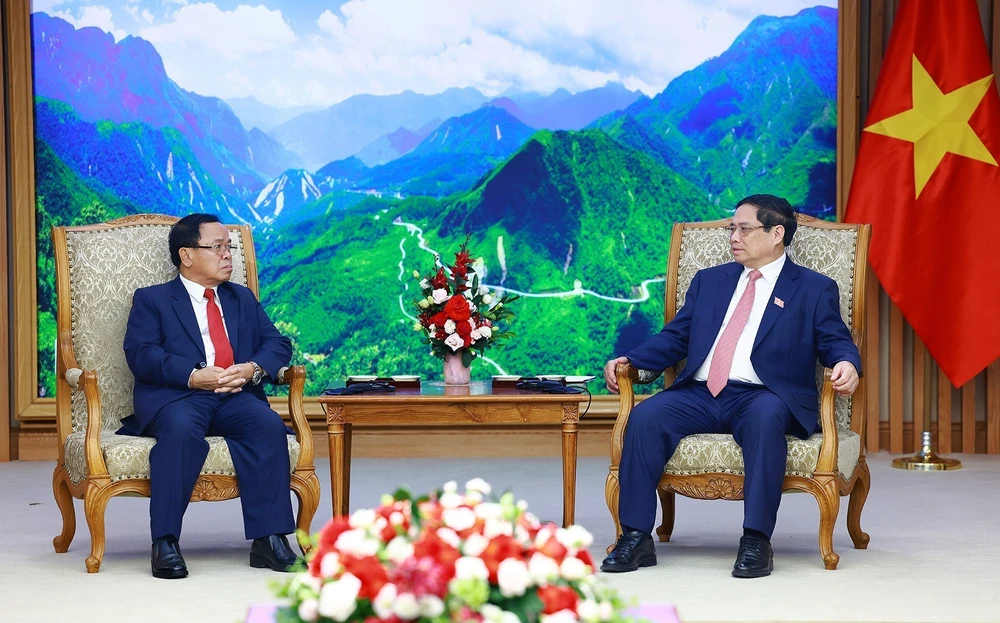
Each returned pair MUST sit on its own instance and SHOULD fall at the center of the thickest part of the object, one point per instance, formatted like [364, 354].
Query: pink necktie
[722, 360]
[216, 330]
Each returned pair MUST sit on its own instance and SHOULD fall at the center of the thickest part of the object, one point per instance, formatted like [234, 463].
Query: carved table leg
[570, 425]
[335, 435]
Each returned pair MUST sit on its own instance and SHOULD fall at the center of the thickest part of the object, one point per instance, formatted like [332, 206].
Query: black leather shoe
[755, 558]
[272, 552]
[633, 550]
[166, 560]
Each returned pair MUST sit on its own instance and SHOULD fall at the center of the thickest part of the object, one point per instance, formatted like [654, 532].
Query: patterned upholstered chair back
[107, 263]
[824, 247]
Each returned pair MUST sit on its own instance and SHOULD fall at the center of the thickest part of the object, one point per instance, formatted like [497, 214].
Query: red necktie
[722, 360]
[217, 331]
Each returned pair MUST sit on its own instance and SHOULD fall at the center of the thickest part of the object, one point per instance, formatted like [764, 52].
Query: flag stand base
[926, 460]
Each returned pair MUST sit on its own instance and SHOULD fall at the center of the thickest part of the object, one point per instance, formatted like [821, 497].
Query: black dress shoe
[166, 560]
[633, 550]
[755, 558]
[272, 552]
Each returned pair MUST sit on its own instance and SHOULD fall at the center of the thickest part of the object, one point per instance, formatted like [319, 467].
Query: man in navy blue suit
[751, 332]
[199, 347]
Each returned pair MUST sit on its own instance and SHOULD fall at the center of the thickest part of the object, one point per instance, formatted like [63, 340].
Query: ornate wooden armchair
[829, 464]
[98, 268]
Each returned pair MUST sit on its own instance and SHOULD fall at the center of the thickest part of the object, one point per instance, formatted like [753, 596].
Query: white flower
[575, 537]
[473, 497]
[484, 291]
[399, 549]
[605, 610]
[450, 487]
[450, 499]
[309, 610]
[424, 284]
[572, 568]
[487, 298]
[396, 518]
[494, 614]
[432, 329]
[382, 604]
[431, 606]
[471, 567]
[330, 565]
[454, 341]
[406, 606]
[587, 611]
[449, 326]
[489, 510]
[356, 543]
[308, 580]
[339, 599]
[475, 545]
[485, 331]
[449, 536]
[543, 569]
[440, 295]
[362, 518]
[478, 484]
[496, 527]
[563, 616]
[513, 577]
[458, 519]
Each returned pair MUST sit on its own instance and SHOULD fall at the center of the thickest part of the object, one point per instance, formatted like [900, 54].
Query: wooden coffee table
[435, 404]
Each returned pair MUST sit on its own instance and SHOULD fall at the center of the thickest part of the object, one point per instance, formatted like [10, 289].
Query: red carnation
[457, 308]
[556, 598]
[371, 573]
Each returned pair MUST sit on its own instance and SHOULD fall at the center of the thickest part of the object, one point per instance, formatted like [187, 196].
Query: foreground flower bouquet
[449, 558]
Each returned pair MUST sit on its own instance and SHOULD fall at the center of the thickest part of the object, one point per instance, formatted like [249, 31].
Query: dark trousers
[256, 438]
[756, 417]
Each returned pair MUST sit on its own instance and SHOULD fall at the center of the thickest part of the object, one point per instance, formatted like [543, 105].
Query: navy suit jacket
[788, 342]
[163, 344]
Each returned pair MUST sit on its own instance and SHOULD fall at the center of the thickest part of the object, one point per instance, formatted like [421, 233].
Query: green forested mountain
[569, 212]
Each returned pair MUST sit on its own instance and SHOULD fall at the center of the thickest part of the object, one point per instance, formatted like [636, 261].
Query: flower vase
[455, 372]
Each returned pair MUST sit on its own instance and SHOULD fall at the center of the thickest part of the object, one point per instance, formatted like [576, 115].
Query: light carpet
[933, 553]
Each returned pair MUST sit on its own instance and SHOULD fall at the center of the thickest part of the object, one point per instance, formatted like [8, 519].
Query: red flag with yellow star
[927, 180]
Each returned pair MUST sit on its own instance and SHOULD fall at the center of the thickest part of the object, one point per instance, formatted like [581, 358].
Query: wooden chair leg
[307, 491]
[667, 504]
[828, 499]
[95, 503]
[612, 491]
[856, 504]
[64, 500]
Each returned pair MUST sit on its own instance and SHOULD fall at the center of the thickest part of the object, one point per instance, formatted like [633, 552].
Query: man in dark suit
[182, 344]
[751, 332]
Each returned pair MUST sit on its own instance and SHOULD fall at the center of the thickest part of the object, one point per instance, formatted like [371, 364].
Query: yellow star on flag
[937, 124]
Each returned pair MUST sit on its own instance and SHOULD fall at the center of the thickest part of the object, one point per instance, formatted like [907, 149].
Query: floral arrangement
[449, 558]
[457, 313]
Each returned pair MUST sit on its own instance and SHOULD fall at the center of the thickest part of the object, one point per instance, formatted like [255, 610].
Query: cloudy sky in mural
[317, 53]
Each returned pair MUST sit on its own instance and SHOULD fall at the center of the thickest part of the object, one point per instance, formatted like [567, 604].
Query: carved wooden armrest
[827, 461]
[295, 378]
[96, 467]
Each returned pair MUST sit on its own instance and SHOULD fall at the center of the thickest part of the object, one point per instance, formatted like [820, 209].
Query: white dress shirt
[200, 304]
[742, 369]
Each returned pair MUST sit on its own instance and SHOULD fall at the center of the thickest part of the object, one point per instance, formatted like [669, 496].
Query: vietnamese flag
[928, 181]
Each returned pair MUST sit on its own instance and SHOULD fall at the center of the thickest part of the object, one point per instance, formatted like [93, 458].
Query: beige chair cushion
[712, 454]
[128, 457]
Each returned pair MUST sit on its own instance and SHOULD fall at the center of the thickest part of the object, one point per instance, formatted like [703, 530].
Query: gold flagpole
[926, 460]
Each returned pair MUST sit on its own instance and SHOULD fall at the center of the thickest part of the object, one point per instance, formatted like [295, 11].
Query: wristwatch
[258, 373]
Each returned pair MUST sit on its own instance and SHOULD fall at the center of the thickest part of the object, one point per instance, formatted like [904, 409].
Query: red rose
[557, 598]
[457, 308]
[439, 319]
[463, 329]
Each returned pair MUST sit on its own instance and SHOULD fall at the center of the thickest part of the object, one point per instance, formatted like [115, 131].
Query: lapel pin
[779, 302]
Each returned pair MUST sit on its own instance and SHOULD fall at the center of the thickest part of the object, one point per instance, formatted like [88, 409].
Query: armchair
[829, 464]
[98, 268]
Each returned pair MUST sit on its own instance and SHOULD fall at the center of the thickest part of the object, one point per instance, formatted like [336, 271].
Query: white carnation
[399, 549]
[513, 577]
[587, 611]
[450, 499]
[478, 484]
[471, 567]
[431, 606]
[338, 599]
[382, 604]
[459, 519]
[475, 545]
[309, 610]
[574, 537]
[406, 606]
[356, 543]
[572, 568]
[489, 510]
[362, 518]
[449, 326]
[449, 536]
[543, 569]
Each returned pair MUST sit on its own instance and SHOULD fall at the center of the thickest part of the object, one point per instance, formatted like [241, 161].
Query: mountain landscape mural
[568, 196]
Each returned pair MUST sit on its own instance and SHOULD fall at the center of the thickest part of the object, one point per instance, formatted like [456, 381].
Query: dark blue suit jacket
[163, 344]
[788, 342]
